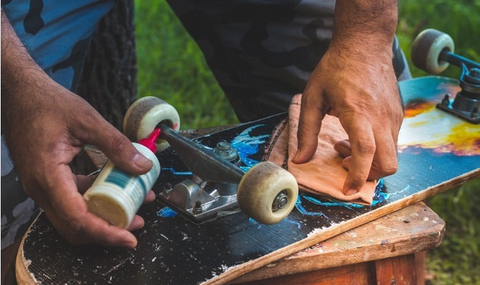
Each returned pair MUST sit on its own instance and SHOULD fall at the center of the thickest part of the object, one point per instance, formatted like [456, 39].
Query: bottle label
[135, 187]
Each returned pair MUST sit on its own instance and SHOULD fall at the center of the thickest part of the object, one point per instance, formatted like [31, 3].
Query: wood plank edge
[22, 274]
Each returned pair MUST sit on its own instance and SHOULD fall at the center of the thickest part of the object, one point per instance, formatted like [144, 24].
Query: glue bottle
[116, 195]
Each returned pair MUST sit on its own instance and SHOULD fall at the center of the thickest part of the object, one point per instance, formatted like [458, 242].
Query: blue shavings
[178, 173]
[378, 198]
[253, 221]
[332, 204]
[166, 212]
[247, 145]
[304, 211]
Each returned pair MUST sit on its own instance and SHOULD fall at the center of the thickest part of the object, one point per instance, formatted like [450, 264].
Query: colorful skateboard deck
[437, 151]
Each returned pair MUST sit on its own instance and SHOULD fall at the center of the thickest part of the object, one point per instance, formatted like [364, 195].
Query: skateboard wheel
[267, 193]
[145, 114]
[426, 50]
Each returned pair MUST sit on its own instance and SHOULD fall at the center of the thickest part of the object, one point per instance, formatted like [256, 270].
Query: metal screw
[446, 100]
[225, 150]
[197, 209]
[167, 189]
[280, 201]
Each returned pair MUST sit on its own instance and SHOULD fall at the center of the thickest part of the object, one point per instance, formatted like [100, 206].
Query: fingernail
[295, 157]
[129, 244]
[141, 161]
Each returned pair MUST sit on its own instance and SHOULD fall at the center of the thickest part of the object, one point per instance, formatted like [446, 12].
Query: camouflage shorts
[262, 52]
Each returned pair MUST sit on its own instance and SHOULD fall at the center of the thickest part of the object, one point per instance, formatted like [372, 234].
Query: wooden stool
[389, 250]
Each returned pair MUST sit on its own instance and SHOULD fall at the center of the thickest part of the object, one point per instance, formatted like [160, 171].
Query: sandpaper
[324, 173]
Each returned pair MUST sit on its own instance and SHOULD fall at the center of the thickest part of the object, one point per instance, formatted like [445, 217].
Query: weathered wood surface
[410, 230]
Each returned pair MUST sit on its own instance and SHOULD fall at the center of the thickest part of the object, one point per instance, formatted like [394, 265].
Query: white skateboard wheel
[267, 193]
[426, 50]
[145, 114]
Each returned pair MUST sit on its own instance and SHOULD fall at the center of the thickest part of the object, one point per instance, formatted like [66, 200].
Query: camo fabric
[262, 52]
[56, 34]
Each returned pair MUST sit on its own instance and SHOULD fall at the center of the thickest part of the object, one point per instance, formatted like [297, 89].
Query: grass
[457, 260]
[172, 68]
[459, 19]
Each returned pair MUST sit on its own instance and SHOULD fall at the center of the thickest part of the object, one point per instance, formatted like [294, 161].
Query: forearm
[365, 24]
[20, 74]
[16, 62]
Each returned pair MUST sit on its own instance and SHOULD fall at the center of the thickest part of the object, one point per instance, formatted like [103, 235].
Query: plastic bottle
[116, 195]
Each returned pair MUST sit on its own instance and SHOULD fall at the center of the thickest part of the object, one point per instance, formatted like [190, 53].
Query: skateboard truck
[213, 186]
[432, 51]
[466, 104]
[212, 190]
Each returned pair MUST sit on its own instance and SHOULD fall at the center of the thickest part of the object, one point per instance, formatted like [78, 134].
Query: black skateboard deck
[437, 151]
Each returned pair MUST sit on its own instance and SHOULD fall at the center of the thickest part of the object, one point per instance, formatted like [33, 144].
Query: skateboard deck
[437, 151]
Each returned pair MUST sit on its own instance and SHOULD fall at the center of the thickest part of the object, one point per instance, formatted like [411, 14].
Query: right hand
[43, 134]
[355, 82]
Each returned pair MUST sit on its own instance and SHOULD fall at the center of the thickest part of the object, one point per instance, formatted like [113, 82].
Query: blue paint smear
[245, 168]
[378, 197]
[247, 145]
[179, 173]
[252, 220]
[290, 221]
[166, 212]
[304, 211]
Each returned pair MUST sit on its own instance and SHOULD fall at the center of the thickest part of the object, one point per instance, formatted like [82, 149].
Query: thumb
[118, 148]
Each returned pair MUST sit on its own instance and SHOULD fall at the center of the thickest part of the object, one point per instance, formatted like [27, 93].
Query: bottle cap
[149, 141]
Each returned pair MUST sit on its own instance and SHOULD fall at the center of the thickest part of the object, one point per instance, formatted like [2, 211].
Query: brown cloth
[324, 173]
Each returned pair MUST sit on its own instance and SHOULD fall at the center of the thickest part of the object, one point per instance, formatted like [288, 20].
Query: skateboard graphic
[195, 233]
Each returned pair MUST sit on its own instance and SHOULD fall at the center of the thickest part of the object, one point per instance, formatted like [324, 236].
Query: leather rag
[324, 173]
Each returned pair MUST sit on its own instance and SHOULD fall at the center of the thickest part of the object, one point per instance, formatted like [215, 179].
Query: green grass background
[172, 68]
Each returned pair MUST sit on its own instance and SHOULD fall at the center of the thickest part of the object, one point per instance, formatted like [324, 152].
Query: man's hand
[355, 81]
[45, 138]
[45, 126]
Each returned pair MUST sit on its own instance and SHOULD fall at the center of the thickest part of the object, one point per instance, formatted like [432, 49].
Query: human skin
[355, 82]
[45, 126]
